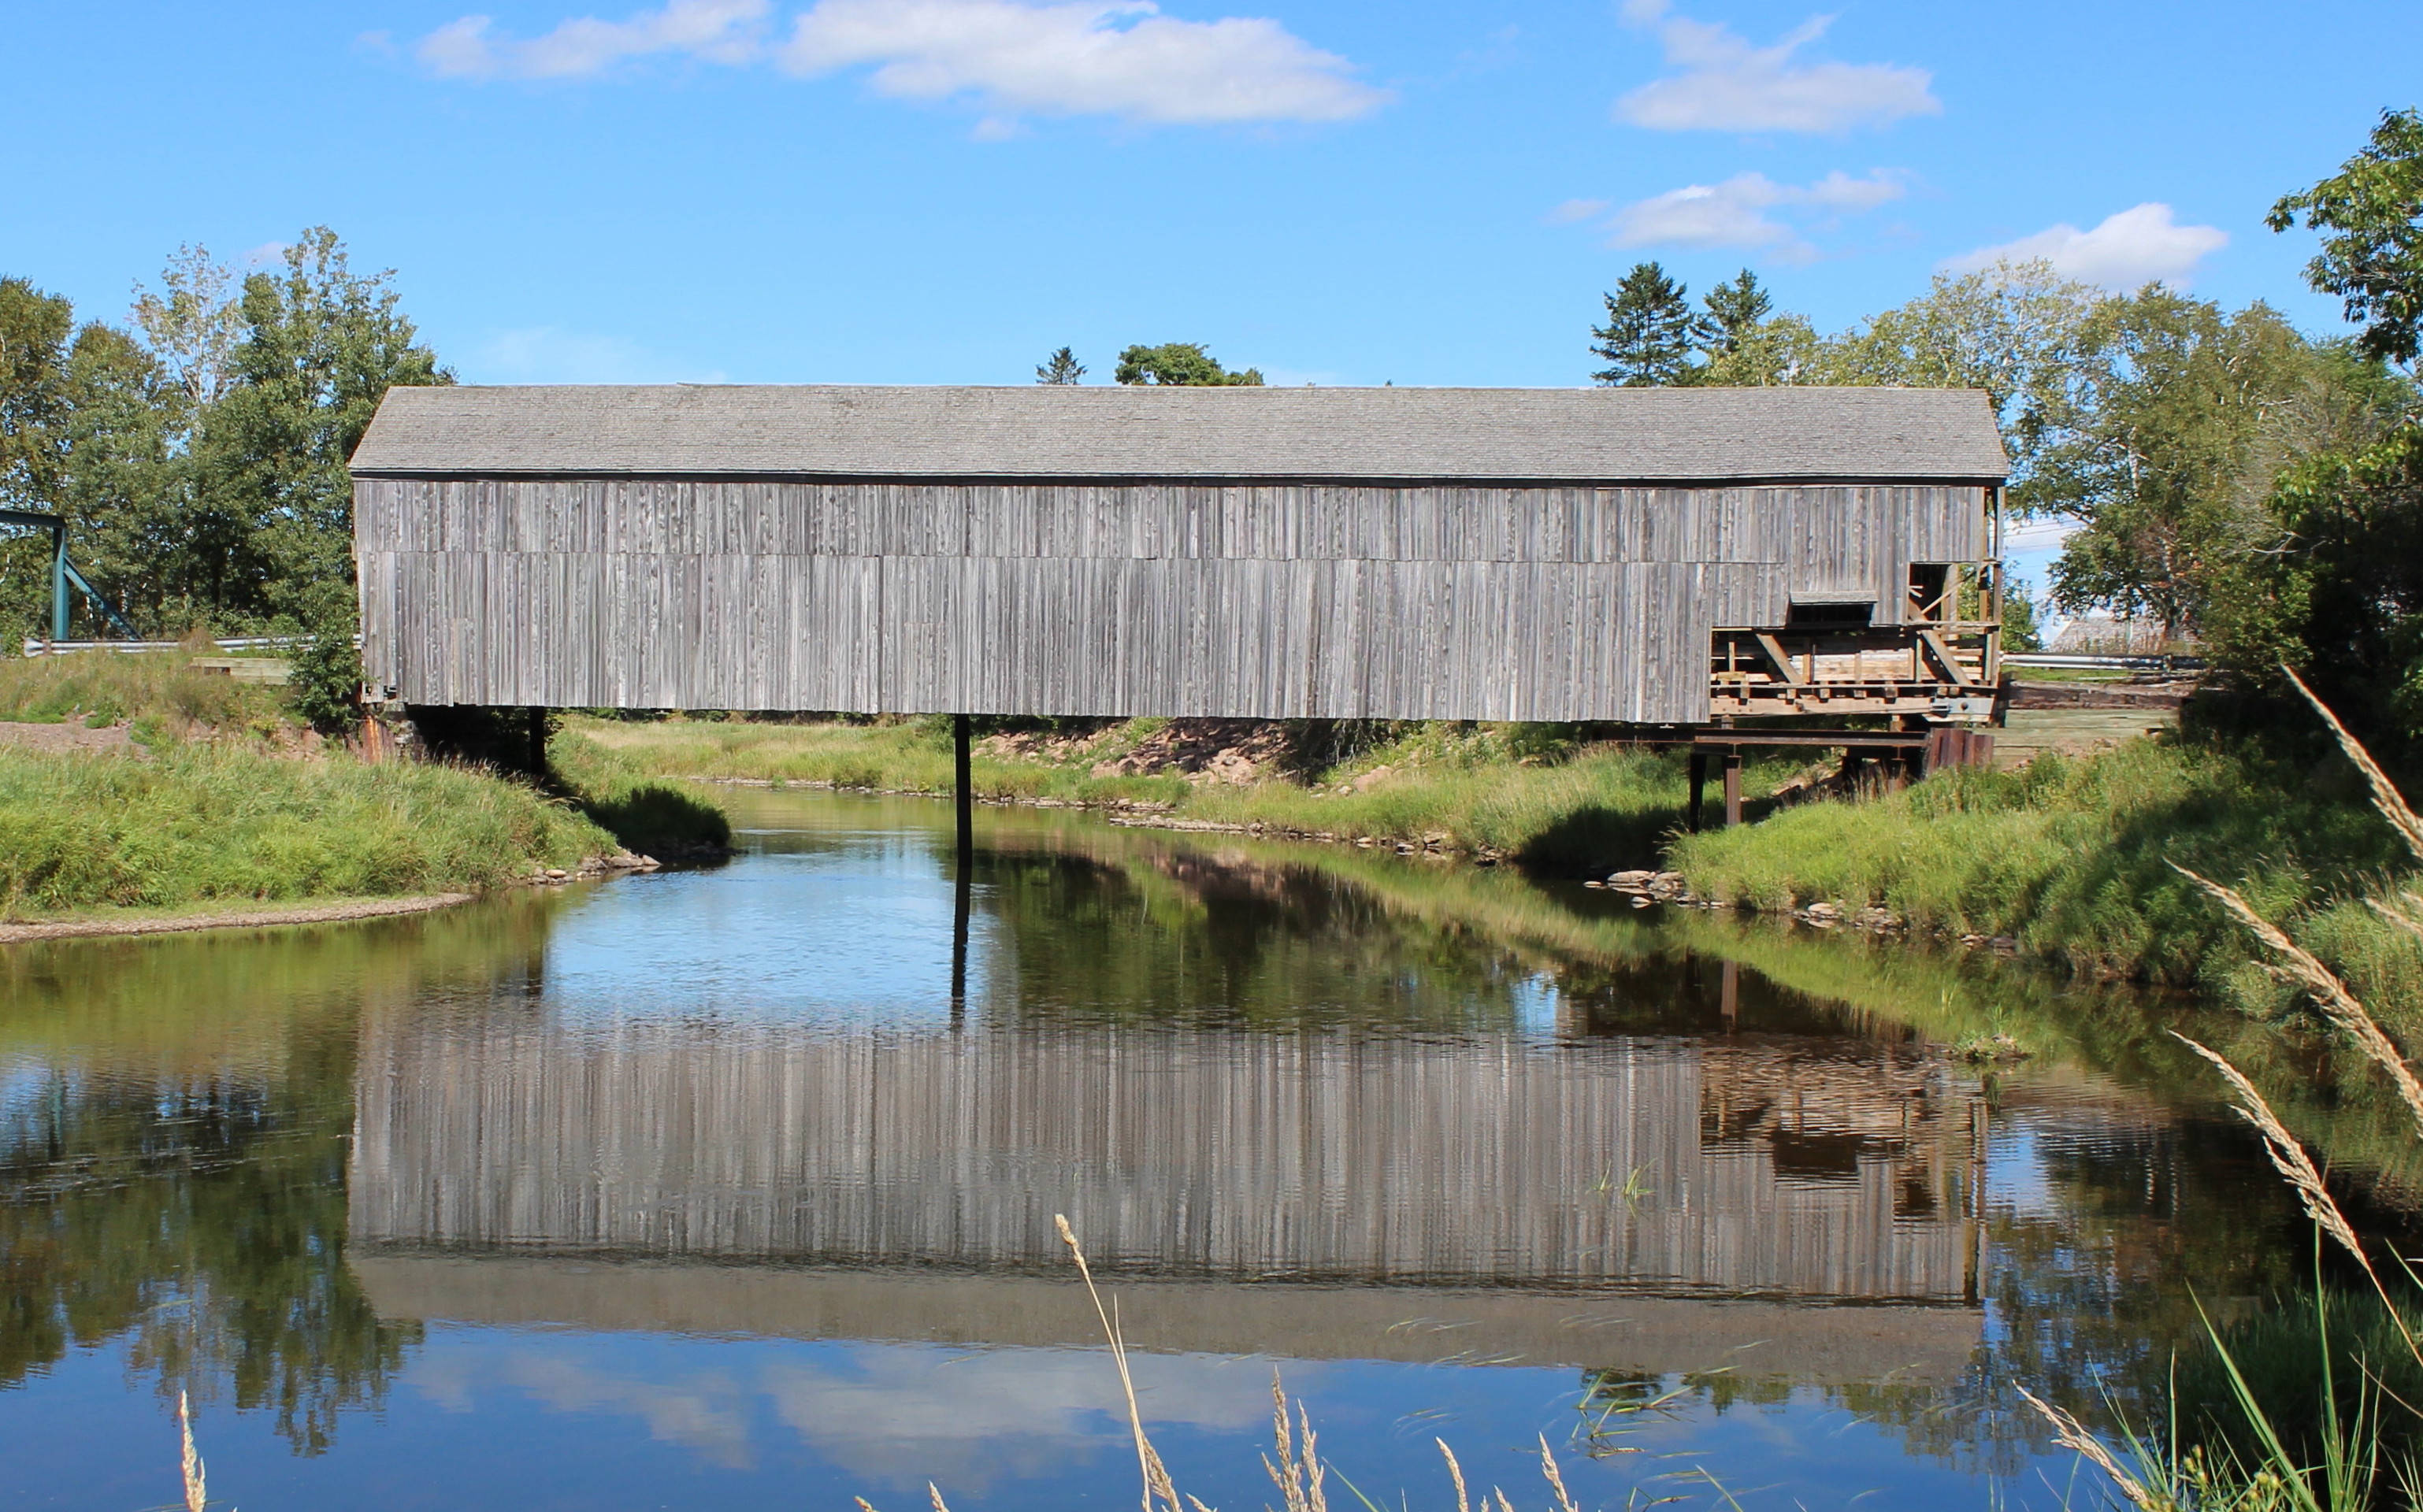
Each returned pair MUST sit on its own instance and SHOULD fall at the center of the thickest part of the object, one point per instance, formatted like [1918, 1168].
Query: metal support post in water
[1699, 786]
[965, 791]
[1733, 788]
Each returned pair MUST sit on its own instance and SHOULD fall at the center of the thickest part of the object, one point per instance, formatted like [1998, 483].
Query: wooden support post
[1699, 787]
[965, 791]
[1733, 788]
[1729, 996]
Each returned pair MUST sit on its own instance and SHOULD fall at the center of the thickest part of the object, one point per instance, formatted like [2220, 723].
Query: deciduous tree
[1179, 364]
[2373, 258]
[321, 345]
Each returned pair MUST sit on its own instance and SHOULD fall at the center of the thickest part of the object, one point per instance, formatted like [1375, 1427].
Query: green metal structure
[63, 575]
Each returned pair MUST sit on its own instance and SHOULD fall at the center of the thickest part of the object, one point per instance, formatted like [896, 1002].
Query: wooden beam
[1774, 648]
[1884, 739]
[1733, 788]
[1941, 655]
[1699, 786]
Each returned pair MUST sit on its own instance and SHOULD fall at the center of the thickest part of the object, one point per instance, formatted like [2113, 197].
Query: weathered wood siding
[1760, 1168]
[1146, 598]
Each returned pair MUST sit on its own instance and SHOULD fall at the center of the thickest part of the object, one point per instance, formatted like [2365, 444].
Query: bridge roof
[1036, 431]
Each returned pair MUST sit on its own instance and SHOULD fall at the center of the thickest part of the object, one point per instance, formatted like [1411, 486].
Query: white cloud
[1114, 57]
[1742, 211]
[543, 355]
[2128, 250]
[1726, 84]
[719, 31]
[902, 1413]
[1111, 57]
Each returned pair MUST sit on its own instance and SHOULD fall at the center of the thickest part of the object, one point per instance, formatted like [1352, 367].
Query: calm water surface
[734, 1188]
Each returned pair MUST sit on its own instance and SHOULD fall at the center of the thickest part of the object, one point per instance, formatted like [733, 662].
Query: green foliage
[2373, 260]
[2021, 630]
[2163, 440]
[2073, 858]
[217, 822]
[1529, 792]
[1737, 311]
[2011, 330]
[616, 793]
[87, 421]
[325, 677]
[201, 465]
[2340, 592]
[1181, 364]
[321, 346]
[1062, 367]
[1651, 334]
[163, 687]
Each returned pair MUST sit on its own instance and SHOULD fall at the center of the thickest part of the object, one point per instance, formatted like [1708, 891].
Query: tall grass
[617, 794]
[2073, 858]
[105, 688]
[216, 822]
[2343, 1461]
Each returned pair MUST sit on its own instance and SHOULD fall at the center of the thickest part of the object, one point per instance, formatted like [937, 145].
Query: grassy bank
[2070, 858]
[162, 694]
[2073, 858]
[223, 799]
[1493, 791]
[207, 824]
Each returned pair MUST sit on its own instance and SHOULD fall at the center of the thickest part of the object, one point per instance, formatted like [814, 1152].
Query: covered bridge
[1654, 555]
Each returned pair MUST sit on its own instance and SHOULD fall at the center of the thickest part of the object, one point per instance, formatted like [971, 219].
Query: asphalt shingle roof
[1047, 432]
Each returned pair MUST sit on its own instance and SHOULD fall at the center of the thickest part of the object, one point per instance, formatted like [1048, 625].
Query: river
[735, 1188]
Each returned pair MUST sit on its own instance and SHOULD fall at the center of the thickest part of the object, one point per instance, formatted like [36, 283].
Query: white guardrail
[2050, 661]
[62, 648]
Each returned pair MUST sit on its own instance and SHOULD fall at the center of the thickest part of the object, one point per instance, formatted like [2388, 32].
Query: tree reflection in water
[176, 1116]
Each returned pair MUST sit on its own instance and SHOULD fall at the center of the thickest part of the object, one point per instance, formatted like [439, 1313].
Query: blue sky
[941, 191]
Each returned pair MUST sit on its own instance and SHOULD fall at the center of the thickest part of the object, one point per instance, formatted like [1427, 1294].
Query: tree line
[199, 451]
[2229, 477]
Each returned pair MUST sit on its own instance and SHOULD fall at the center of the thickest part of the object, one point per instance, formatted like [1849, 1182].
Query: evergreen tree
[1651, 331]
[1735, 311]
[1181, 364]
[1062, 368]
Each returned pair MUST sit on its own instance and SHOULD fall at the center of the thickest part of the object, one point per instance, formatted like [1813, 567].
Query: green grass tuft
[203, 823]
[2073, 858]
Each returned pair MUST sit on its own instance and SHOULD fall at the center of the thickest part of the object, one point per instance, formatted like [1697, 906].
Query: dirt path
[64, 737]
[325, 913]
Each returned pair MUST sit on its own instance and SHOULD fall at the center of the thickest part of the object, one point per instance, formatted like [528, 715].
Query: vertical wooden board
[828, 656]
[1151, 612]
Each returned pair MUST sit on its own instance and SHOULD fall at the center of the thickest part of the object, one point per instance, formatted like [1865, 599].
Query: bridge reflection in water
[1786, 1204]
